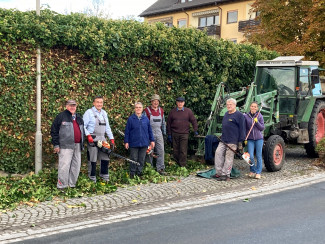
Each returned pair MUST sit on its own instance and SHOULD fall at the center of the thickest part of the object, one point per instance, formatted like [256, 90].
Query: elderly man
[156, 117]
[178, 127]
[233, 133]
[96, 125]
[67, 134]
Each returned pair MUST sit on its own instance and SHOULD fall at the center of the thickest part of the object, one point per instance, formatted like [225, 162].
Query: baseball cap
[180, 99]
[71, 102]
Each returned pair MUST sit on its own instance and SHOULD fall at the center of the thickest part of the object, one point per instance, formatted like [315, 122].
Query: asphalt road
[294, 216]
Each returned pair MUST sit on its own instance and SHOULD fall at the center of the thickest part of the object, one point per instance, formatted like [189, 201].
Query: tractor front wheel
[274, 153]
[316, 128]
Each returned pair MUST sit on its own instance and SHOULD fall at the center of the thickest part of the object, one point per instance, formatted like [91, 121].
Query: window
[181, 23]
[232, 17]
[208, 21]
[183, 1]
[303, 81]
[168, 24]
[276, 78]
[234, 40]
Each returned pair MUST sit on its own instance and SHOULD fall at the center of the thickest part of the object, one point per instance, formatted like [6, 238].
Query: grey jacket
[62, 130]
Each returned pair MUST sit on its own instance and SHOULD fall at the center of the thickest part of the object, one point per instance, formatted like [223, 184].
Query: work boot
[223, 178]
[132, 175]
[162, 172]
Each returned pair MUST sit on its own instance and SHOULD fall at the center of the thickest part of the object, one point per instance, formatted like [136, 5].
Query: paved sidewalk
[143, 200]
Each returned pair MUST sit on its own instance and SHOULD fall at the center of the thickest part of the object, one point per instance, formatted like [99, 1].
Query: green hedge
[124, 61]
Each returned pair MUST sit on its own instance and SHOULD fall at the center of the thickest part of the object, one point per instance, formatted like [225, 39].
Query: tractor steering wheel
[284, 90]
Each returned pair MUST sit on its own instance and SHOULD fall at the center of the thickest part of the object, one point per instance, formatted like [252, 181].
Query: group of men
[69, 129]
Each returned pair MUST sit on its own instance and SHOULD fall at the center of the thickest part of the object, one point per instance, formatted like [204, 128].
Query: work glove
[90, 139]
[169, 139]
[245, 142]
[255, 120]
[112, 144]
[196, 133]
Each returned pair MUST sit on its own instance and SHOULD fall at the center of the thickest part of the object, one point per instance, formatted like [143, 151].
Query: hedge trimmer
[105, 147]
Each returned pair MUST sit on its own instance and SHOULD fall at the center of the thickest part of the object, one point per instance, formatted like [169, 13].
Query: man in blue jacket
[138, 136]
[67, 134]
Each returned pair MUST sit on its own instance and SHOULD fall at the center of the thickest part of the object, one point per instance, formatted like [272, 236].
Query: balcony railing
[211, 30]
[242, 25]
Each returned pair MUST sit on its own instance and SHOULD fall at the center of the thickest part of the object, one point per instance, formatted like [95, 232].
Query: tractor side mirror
[314, 77]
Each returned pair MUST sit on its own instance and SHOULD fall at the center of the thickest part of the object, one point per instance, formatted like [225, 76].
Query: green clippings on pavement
[246, 200]
[32, 189]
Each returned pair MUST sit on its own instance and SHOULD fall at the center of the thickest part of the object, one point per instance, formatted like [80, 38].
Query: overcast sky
[117, 8]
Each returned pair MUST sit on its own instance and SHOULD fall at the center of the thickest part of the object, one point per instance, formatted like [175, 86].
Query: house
[225, 19]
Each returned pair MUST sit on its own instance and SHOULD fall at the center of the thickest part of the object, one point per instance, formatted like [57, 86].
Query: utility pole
[38, 136]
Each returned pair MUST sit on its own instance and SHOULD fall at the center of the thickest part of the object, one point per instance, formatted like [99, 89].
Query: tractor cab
[297, 84]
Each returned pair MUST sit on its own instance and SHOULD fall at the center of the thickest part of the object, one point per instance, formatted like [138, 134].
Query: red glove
[113, 144]
[90, 139]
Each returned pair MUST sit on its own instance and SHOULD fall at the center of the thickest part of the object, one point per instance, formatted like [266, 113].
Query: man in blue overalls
[158, 125]
[96, 125]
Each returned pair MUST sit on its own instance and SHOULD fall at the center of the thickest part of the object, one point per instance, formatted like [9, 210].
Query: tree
[98, 9]
[292, 27]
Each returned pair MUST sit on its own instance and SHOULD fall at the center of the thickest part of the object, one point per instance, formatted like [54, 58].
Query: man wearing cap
[178, 127]
[67, 134]
[96, 125]
[157, 122]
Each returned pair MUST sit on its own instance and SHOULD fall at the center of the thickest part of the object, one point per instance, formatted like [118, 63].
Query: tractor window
[276, 78]
[303, 81]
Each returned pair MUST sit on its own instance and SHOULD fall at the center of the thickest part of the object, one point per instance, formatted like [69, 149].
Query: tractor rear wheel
[274, 153]
[316, 128]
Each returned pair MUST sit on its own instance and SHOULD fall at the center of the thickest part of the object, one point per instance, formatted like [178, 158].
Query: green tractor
[291, 93]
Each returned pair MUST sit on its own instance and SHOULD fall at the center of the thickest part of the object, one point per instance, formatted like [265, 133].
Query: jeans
[257, 146]
[137, 154]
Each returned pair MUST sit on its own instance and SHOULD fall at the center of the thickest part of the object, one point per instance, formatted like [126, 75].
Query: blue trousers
[257, 146]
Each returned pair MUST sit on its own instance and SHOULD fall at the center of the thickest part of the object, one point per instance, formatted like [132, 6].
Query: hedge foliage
[124, 61]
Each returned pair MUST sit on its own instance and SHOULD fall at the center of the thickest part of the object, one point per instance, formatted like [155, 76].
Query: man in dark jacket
[233, 133]
[67, 133]
[178, 128]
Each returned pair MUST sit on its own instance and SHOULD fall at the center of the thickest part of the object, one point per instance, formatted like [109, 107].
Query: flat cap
[71, 102]
[155, 97]
[180, 99]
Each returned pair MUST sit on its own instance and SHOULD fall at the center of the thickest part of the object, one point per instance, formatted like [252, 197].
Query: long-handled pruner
[253, 123]
[245, 156]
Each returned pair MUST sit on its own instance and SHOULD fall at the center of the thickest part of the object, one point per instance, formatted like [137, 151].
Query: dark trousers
[137, 154]
[180, 142]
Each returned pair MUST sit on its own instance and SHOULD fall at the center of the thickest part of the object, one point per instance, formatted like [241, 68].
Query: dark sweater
[179, 121]
[233, 128]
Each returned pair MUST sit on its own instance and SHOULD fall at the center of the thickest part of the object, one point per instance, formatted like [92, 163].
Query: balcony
[242, 25]
[212, 30]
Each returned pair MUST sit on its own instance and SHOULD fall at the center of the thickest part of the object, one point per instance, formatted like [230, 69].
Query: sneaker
[251, 175]
[223, 178]
[216, 176]
[162, 172]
